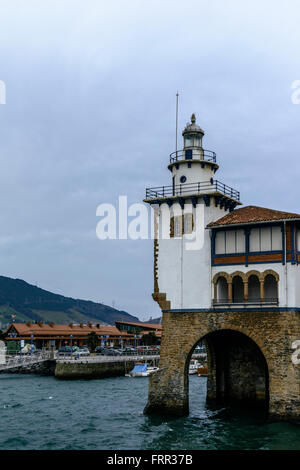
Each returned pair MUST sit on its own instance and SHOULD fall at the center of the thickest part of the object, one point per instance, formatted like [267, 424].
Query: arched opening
[271, 293]
[253, 288]
[237, 372]
[222, 290]
[237, 289]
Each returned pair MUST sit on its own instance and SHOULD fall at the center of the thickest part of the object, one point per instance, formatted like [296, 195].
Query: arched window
[237, 290]
[222, 290]
[253, 288]
[271, 293]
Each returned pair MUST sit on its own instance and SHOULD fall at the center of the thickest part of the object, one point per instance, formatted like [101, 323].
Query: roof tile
[253, 214]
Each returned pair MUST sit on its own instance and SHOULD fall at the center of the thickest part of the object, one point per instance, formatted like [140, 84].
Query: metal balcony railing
[258, 301]
[192, 188]
[193, 154]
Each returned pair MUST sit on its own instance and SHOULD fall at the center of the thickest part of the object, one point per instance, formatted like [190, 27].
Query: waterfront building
[46, 335]
[139, 328]
[228, 276]
[53, 335]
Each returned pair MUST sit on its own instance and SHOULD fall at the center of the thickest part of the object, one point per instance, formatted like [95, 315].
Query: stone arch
[221, 274]
[218, 289]
[240, 274]
[169, 388]
[255, 373]
[238, 289]
[250, 333]
[272, 273]
[255, 288]
[271, 286]
[253, 272]
[221, 291]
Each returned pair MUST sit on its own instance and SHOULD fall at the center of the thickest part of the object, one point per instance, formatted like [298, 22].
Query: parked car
[144, 348]
[82, 352]
[129, 350]
[111, 352]
[66, 351]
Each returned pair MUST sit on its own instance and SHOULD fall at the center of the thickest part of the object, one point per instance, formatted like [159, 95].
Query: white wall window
[265, 239]
[220, 243]
[178, 226]
[188, 223]
[181, 224]
[276, 238]
[298, 239]
[230, 241]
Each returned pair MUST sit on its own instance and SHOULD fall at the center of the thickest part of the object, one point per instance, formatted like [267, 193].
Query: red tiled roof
[146, 325]
[253, 214]
[146, 332]
[45, 329]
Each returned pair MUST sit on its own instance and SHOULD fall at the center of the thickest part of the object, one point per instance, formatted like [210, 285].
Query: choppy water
[45, 413]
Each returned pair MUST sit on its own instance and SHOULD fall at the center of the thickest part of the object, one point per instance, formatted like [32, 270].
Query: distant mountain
[154, 321]
[30, 303]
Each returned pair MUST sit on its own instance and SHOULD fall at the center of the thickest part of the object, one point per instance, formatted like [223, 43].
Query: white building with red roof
[210, 254]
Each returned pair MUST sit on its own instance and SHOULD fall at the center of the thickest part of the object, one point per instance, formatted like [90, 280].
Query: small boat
[141, 370]
[202, 371]
[193, 367]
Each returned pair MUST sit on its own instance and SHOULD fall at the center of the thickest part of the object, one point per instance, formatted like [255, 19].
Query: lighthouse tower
[182, 210]
[230, 278]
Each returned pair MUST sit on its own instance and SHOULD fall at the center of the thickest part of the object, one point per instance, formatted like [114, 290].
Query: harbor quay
[79, 350]
[100, 368]
[92, 367]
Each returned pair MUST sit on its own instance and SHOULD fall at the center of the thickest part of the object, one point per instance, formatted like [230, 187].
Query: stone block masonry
[249, 360]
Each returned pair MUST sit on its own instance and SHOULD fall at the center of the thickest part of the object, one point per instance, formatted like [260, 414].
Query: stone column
[262, 290]
[246, 291]
[229, 292]
[215, 292]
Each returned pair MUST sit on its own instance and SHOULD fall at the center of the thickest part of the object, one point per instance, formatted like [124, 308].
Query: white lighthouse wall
[194, 174]
[187, 284]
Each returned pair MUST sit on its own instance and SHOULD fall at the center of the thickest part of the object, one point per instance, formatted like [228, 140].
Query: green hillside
[30, 303]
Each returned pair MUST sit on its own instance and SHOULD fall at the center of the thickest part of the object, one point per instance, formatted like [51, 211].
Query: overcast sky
[90, 115]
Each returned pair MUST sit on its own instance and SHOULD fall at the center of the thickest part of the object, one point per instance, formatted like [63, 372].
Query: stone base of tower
[249, 361]
[167, 395]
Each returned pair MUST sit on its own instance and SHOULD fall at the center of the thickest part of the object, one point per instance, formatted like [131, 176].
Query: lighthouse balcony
[212, 187]
[193, 154]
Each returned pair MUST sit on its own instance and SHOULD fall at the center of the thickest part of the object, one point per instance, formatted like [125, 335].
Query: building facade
[50, 334]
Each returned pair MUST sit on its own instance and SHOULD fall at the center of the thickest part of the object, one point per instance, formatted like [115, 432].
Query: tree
[150, 339]
[92, 341]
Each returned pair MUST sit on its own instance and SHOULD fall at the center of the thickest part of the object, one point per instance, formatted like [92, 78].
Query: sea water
[45, 413]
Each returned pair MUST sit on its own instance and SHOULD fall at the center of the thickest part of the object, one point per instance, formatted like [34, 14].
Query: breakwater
[92, 370]
[46, 367]
[99, 367]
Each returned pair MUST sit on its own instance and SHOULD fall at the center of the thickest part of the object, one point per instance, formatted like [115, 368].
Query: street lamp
[135, 341]
[31, 336]
[71, 336]
[21, 346]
